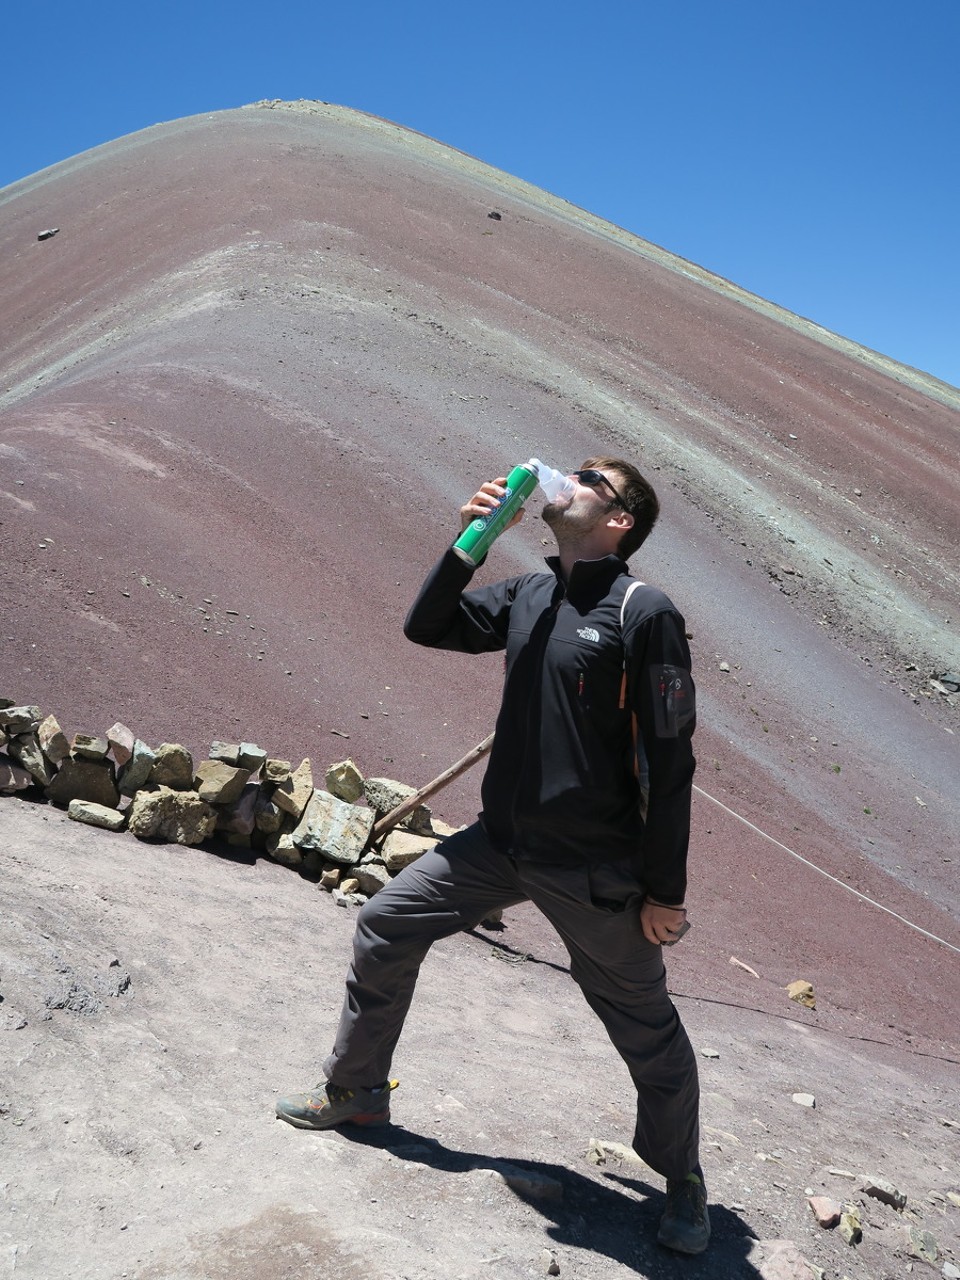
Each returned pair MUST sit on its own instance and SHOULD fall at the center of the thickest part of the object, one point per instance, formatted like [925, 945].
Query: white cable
[807, 863]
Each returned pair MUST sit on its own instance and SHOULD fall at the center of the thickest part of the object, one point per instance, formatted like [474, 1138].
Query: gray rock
[219, 783]
[345, 781]
[93, 780]
[293, 795]
[136, 771]
[343, 899]
[172, 767]
[781, 1260]
[228, 752]
[251, 757]
[53, 741]
[385, 794]
[86, 747]
[267, 817]
[880, 1189]
[950, 1272]
[20, 719]
[337, 830]
[26, 751]
[13, 777]
[96, 815]
[174, 815]
[805, 1100]
[921, 1244]
[548, 1263]
[372, 876]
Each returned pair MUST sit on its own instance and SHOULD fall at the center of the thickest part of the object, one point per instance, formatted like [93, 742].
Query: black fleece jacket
[561, 785]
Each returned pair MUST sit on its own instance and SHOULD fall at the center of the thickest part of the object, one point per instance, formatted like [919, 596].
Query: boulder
[86, 747]
[219, 783]
[134, 774]
[53, 741]
[96, 815]
[293, 794]
[20, 719]
[400, 848]
[371, 877]
[173, 767]
[13, 777]
[276, 771]
[251, 757]
[385, 794]
[345, 781]
[228, 752]
[93, 780]
[168, 814]
[267, 817]
[239, 818]
[26, 751]
[337, 830]
[281, 847]
[121, 741]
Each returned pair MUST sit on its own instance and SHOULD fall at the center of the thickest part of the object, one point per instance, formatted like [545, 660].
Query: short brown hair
[639, 499]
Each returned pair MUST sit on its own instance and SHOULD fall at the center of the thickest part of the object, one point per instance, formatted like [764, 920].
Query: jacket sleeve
[447, 616]
[662, 696]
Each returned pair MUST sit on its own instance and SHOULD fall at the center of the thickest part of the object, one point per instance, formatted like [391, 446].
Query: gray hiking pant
[594, 909]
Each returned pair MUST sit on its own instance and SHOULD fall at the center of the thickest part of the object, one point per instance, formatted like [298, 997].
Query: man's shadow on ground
[614, 1215]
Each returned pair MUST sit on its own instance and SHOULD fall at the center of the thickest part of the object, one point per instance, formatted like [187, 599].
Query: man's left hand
[661, 924]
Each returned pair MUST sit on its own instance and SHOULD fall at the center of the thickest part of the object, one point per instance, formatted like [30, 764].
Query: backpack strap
[635, 582]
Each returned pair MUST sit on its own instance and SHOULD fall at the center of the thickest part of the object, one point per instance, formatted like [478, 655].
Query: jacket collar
[589, 577]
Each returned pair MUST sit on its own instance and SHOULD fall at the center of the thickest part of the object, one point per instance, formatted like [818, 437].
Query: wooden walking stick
[397, 815]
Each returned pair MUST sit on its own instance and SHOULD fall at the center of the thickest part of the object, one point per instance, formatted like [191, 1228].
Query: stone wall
[238, 795]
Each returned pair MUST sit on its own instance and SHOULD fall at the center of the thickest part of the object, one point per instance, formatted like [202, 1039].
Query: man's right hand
[484, 501]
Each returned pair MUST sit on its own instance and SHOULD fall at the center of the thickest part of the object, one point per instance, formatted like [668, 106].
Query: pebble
[549, 1263]
[804, 1100]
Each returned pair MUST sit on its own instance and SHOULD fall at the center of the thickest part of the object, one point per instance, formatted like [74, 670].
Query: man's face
[589, 505]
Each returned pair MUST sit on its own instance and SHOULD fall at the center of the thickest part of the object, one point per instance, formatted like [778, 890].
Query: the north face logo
[588, 633]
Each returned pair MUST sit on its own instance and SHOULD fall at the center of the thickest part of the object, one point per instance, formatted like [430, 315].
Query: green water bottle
[475, 541]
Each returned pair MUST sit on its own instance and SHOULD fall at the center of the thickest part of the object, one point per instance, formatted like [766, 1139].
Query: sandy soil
[242, 393]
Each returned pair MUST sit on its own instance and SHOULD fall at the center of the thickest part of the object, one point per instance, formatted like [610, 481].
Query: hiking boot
[331, 1104]
[685, 1225]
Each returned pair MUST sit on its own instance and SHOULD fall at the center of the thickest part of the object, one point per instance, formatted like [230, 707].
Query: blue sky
[808, 152]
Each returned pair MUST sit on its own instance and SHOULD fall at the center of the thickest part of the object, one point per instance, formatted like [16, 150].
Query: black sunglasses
[593, 478]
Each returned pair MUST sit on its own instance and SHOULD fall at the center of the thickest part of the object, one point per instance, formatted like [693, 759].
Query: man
[585, 812]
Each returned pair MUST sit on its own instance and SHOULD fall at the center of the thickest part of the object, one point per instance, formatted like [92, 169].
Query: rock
[709, 1053]
[281, 847]
[826, 1211]
[400, 848]
[219, 783]
[954, 1198]
[548, 1259]
[385, 794]
[345, 781]
[608, 1150]
[802, 993]
[172, 814]
[842, 1173]
[350, 885]
[442, 829]
[26, 751]
[880, 1189]
[293, 794]
[172, 767]
[86, 747]
[20, 719]
[53, 741]
[227, 752]
[13, 777]
[267, 817]
[239, 818]
[251, 757]
[805, 1100]
[93, 780]
[595, 1153]
[330, 879]
[371, 877]
[276, 771]
[921, 1244]
[851, 1228]
[96, 815]
[121, 742]
[343, 899]
[950, 1272]
[337, 830]
[48, 233]
[136, 771]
